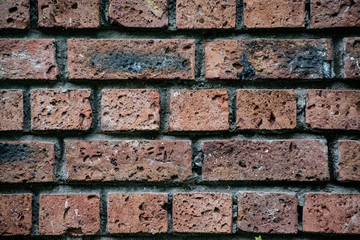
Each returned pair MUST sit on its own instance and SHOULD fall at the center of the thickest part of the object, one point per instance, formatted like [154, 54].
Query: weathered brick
[71, 214]
[333, 109]
[130, 109]
[274, 13]
[22, 162]
[331, 14]
[15, 14]
[138, 213]
[281, 160]
[349, 160]
[268, 58]
[139, 13]
[28, 59]
[202, 212]
[59, 109]
[352, 58]
[267, 212]
[266, 109]
[331, 213]
[154, 160]
[69, 13]
[11, 110]
[15, 214]
[205, 14]
[199, 110]
[131, 58]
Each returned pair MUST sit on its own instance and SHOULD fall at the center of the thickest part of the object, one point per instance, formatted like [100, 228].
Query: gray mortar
[172, 15]
[239, 24]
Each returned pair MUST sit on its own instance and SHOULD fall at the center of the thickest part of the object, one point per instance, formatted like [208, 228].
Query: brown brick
[131, 58]
[130, 109]
[352, 58]
[274, 13]
[349, 160]
[331, 213]
[11, 110]
[28, 59]
[331, 14]
[268, 58]
[199, 110]
[15, 214]
[139, 13]
[154, 160]
[333, 109]
[59, 109]
[69, 13]
[71, 214]
[138, 213]
[202, 212]
[267, 212]
[15, 14]
[255, 160]
[266, 109]
[205, 14]
[22, 162]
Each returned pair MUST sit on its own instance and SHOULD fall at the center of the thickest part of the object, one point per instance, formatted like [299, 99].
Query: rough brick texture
[284, 160]
[155, 160]
[60, 109]
[349, 161]
[11, 110]
[15, 214]
[71, 214]
[199, 110]
[333, 109]
[265, 109]
[22, 162]
[267, 212]
[69, 13]
[138, 213]
[15, 14]
[352, 58]
[217, 14]
[131, 58]
[28, 59]
[202, 212]
[268, 58]
[331, 213]
[139, 13]
[274, 13]
[130, 109]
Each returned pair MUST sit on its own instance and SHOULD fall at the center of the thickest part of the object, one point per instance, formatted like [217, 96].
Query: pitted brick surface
[11, 110]
[349, 160]
[15, 14]
[352, 58]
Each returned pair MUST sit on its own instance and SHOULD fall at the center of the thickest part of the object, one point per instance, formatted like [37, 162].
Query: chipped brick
[11, 110]
[352, 58]
[349, 160]
[15, 14]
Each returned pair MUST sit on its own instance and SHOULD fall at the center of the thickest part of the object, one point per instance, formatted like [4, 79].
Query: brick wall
[164, 119]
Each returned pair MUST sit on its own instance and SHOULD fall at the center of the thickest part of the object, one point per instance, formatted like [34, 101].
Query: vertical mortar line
[172, 15]
[27, 109]
[103, 212]
[34, 14]
[232, 109]
[95, 101]
[200, 61]
[239, 22]
[35, 212]
[60, 161]
[197, 158]
[235, 211]
[332, 151]
[164, 110]
[307, 13]
[104, 13]
[170, 207]
[61, 60]
[300, 217]
[338, 60]
[300, 109]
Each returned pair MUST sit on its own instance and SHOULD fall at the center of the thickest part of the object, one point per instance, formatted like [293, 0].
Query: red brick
[11, 110]
[331, 14]
[108, 59]
[202, 212]
[268, 58]
[71, 214]
[349, 160]
[139, 13]
[199, 110]
[69, 13]
[138, 213]
[154, 160]
[266, 109]
[333, 109]
[28, 59]
[331, 213]
[22, 162]
[15, 214]
[255, 160]
[274, 13]
[267, 212]
[15, 14]
[130, 109]
[352, 58]
[59, 109]
[205, 14]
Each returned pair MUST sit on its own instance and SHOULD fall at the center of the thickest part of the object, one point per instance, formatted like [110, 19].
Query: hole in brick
[44, 6]
[9, 20]
[13, 9]
[74, 6]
